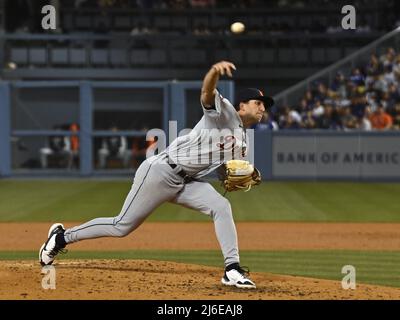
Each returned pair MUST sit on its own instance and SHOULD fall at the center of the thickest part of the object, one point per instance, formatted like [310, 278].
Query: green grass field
[80, 200]
[373, 267]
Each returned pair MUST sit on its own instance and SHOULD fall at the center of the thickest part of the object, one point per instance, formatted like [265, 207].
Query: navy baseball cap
[253, 94]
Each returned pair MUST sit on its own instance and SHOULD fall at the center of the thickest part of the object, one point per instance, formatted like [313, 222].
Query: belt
[182, 173]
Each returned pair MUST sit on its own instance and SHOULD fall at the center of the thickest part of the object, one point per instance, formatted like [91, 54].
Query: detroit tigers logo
[229, 143]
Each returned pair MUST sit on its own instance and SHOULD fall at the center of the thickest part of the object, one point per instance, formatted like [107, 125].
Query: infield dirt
[201, 236]
[149, 280]
[143, 279]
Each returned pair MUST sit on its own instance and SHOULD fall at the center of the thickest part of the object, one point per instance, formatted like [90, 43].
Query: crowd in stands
[367, 99]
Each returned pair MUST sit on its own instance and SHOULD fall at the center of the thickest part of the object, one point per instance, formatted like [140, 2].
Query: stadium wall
[281, 155]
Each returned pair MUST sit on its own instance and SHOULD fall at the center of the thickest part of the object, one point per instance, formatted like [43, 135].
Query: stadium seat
[78, 56]
[83, 22]
[300, 55]
[68, 22]
[318, 55]
[255, 22]
[99, 56]
[200, 21]
[101, 22]
[219, 22]
[285, 55]
[19, 56]
[139, 56]
[180, 57]
[333, 54]
[179, 22]
[253, 57]
[236, 55]
[158, 57]
[118, 57]
[122, 23]
[221, 54]
[268, 56]
[162, 23]
[197, 56]
[59, 56]
[37, 56]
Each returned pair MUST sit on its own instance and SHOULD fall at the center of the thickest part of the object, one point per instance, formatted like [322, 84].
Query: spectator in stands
[114, 147]
[308, 121]
[374, 66]
[59, 148]
[396, 69]
[327, 120]
[358, 105]
[338, 87]
[374, 70]
[392, 97]
[388, 59]
[356, 102]
[266, 123]
[283, 113]
[372, 100]
[317, 109]
[380, 120]
[74, 139]
[308, 96]
[288, 119]
[348, 120]
[378, 85]
[395, 114]
[357, 78]
[321, 91]
[363, 122]
[303, 107]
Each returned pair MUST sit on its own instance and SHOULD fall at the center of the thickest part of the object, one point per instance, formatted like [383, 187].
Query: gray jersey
[218, 137]
[198, 153]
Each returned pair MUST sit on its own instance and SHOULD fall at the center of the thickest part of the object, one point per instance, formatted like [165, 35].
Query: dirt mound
[154, 280]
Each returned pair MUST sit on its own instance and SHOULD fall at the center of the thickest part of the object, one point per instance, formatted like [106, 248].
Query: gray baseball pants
[156, 182]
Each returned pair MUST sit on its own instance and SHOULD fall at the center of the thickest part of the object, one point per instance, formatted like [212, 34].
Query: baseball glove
[240, 175]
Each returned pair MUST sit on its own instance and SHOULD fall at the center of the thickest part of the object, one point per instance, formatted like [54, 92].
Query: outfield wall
[324, 155]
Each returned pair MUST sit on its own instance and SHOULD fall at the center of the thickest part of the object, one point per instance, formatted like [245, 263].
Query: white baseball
[237, 27]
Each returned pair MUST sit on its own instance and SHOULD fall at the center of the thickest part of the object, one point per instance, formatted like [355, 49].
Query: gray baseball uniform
[156, 181]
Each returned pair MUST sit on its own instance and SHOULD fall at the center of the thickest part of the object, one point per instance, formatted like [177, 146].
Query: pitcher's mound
[148, 280]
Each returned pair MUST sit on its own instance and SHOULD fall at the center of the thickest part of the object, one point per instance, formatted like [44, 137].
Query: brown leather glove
[240, 175]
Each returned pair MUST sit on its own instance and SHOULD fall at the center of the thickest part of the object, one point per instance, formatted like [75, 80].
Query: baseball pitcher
[217, 140]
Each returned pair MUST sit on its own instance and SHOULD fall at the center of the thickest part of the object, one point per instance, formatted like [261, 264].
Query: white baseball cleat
[50, 248]
[237, 276]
